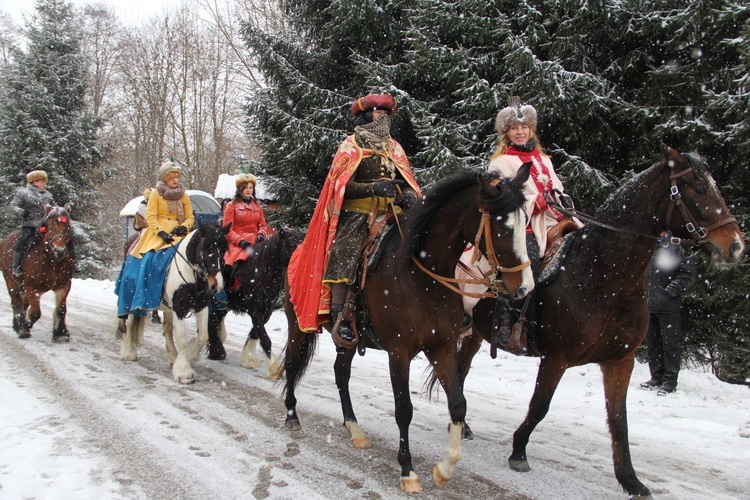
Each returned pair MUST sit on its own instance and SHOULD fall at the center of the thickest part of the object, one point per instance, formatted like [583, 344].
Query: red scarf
[538, 168]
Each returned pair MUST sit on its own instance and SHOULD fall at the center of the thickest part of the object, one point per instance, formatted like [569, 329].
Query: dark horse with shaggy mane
[410, 309]
[595, 311]
[261, 278]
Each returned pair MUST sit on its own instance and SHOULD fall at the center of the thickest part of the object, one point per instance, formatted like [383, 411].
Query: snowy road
[76, 422]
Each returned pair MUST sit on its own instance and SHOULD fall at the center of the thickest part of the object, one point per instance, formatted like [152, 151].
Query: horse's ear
[666, 151]
[522, 175]
[68, 207]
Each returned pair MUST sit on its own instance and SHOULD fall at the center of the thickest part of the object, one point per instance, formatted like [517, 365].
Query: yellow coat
[160, 219]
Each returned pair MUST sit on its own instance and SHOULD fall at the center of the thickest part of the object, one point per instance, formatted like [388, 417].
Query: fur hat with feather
[514, 114]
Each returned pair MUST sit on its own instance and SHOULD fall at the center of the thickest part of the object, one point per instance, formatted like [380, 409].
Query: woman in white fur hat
[517, 145]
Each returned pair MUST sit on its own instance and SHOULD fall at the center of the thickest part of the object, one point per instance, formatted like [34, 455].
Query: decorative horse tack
[595, 312]
[402, 301]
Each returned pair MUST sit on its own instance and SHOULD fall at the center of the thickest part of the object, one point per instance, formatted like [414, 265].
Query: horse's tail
[432, 383]
[298, 359]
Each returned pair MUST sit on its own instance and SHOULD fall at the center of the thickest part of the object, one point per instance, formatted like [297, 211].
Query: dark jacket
[29, 204]
[671, 275]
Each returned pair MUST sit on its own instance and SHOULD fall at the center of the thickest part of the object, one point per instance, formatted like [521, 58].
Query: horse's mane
[273, 252]
[493, 199]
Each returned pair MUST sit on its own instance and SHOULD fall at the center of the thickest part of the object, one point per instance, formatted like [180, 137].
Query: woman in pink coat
[248, 225]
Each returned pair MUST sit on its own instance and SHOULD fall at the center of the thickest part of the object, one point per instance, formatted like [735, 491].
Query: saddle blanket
[140, 285]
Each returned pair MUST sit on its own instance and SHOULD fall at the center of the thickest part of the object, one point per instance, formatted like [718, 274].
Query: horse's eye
[701, 189]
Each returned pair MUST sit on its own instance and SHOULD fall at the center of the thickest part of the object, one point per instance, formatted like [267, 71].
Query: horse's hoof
[361, 443]
[61, 339]
[440, 480]
[24, 335]
[411, 484]
[293, 424]
[519, 465]
[217, 355]
[187, 380]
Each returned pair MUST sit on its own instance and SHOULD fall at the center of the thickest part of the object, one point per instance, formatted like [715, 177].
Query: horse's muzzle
[59, 252]
[215, 282]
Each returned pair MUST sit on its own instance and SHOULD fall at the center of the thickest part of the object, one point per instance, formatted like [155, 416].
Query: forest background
[264, 86]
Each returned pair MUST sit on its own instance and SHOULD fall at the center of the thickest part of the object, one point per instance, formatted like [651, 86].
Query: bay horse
[411, 311]
[595, 310]
[193, 276]
[261, 279]
[48, 265]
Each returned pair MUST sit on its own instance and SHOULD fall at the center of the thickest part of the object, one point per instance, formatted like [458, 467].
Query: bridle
[62, 217]
[697, 232]
[495, 287]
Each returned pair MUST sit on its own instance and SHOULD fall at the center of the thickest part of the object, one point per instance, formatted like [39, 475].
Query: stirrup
[517, 341]
[346, 341]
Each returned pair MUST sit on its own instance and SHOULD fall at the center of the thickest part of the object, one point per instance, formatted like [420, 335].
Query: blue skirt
[140, 285]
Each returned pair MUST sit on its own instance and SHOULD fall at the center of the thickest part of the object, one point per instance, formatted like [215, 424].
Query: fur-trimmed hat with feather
[515, 114]
[169, 167]
[242, 179]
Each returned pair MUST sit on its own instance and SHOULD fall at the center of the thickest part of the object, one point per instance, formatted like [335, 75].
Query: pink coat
[247, 221]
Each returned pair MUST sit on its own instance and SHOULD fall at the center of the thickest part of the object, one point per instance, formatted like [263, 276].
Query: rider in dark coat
[30, 204]
[671, 274]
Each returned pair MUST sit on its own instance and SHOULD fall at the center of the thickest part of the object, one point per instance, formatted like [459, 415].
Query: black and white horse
[261, 279]
[193, 276]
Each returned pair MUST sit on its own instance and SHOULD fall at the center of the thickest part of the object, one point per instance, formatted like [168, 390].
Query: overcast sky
[129, 11]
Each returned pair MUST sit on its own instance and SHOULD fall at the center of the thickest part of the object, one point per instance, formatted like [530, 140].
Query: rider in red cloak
[370, 170]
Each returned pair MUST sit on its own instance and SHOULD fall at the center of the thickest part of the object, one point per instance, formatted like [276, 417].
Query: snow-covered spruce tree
[302, 115]
[43, 122]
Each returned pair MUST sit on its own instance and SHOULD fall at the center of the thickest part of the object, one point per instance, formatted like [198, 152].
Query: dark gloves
[180, 231]
[260, 238]
[405, 200]
[385, 188]
[244, 245]
[566, 201]
[168, 238]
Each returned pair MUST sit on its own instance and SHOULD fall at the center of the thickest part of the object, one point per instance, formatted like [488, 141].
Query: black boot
[17, 269]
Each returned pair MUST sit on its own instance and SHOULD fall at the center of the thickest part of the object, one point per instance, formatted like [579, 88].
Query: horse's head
[210, 250]
[57, 230]
[503, 237]
[697, 210]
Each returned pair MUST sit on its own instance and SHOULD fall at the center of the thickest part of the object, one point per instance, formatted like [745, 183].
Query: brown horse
[595, 310]
[411, 311]
[48, 265]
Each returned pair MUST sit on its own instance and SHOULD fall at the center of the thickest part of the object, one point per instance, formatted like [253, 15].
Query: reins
[495, 287]
[675, 200]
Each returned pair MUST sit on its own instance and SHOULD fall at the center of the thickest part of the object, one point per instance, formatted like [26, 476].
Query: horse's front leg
[217, 334]
[196, 345]
[342, 368]
[249, 357]
[60, 330]
[182, 372]
[547, 378]
[33, 311]
[19, 312]
[273, 366]
[443, 360]
[399, 366]
[468, 348]
[616, 379]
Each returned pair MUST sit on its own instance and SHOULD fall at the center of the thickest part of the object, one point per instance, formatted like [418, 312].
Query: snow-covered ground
[78, 423]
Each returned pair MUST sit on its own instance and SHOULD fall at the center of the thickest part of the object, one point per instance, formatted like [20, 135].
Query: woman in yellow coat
[170, 217]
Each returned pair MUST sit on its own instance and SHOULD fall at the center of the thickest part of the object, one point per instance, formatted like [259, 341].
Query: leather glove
[244, 245]
[566, 201]
[405, 200]
[260, 238]
[385, 188]
[541, 204]
[168, 238]
[180, 231]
